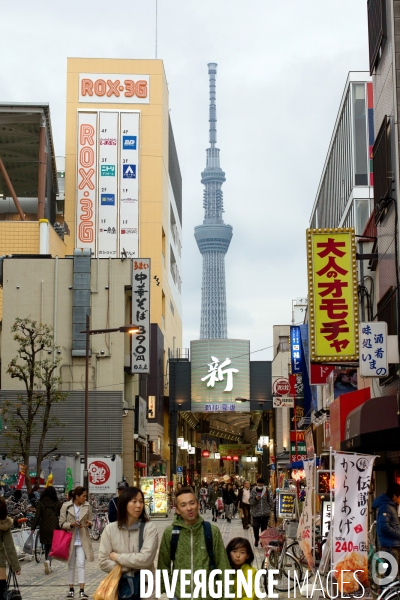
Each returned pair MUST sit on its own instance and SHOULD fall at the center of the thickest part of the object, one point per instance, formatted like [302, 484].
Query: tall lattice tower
[213, 237]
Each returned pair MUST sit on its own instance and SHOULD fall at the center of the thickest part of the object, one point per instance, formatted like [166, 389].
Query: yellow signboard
[333, 299]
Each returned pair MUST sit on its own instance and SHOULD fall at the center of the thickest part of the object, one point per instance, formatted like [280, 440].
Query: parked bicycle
[277, 557]
[99, 522]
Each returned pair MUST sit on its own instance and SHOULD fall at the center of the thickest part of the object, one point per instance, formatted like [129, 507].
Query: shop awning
[298, 464]
[373, 426]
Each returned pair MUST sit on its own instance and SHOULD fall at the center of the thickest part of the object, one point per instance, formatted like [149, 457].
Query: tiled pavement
[35, 585]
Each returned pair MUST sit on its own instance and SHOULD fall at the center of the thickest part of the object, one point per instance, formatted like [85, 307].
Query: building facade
[345, 192]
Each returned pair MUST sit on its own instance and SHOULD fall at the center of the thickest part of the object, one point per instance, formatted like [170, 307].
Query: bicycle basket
[271, 534]
[291, 529]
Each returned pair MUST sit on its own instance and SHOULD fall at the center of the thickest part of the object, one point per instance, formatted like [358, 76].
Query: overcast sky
[282, 67]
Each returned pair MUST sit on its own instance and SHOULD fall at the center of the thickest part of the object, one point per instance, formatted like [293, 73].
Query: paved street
[35, 585]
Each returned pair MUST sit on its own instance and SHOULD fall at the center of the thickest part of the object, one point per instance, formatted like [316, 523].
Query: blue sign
[295, 349]
[179, 470]
[129, 171]
[129, 142]
[107, 199]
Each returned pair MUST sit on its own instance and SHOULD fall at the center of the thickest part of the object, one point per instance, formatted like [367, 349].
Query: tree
[31, 417]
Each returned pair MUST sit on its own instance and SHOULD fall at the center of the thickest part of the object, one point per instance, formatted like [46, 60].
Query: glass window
[360, 135]
[361, 215]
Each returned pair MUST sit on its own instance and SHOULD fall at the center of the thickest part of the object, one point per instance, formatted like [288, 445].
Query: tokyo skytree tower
[213, 237]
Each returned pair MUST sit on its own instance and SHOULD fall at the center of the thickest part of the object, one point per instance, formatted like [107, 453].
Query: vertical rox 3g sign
[114, 88]
[87, 124]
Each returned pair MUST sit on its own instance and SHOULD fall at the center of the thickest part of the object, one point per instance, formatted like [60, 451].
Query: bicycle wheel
[95, 531]
[289, 570]
[295, 549]
[391, 594]
[38, 548]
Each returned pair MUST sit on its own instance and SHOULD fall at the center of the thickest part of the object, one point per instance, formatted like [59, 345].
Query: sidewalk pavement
[35, 585]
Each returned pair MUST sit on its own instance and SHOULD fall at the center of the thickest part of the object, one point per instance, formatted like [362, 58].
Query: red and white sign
[319, 373]
[114, 88]
[102, 474]
[281, 387]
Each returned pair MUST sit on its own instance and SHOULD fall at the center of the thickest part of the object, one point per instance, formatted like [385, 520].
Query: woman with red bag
[7, 548]
[76, 516]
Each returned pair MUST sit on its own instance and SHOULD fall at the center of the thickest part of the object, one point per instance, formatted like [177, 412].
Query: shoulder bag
[12, 592]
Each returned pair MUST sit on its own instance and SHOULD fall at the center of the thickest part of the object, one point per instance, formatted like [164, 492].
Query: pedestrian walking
[131, 542]
[191, 543]
[113, 504]
[76, 516]
[241, 556]
[244, 503]
[47, 517]
[7, 548]
[214, 495]
[229, 498]
[387, 521]
[260, 508]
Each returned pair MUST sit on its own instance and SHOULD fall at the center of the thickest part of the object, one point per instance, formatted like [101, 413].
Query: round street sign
[281, 387]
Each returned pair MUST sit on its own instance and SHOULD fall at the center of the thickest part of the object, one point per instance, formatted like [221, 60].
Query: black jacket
[228, 496]
[112, 510]
[46, 516]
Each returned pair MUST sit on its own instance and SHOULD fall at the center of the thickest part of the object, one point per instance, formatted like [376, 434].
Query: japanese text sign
[373, 349]
[328, 509]
[304, 531]
[333, 300]
[286, 504]
[295, 349]
[140, 362]
[350, 522]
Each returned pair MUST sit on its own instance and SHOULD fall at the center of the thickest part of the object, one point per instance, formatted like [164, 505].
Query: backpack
[207, 536]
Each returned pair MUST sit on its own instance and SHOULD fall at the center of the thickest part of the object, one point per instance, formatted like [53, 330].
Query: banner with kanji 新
[353, 474]
[333, 301]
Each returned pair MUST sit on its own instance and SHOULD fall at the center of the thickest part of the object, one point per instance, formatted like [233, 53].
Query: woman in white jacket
[120, 542]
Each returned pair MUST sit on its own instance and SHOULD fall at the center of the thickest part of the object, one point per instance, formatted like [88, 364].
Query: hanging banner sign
[140, 357]
[319, 373]
[108, 184]
[295, 349]
[350, 524]
[373, 349]
[304, 531]
[333, 295]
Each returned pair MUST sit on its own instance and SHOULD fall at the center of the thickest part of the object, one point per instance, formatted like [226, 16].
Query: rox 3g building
[123, 200]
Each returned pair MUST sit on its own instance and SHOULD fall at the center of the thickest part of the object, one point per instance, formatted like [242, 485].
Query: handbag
[61, 544]
[29, 544]
[12, 592]
[108, 588]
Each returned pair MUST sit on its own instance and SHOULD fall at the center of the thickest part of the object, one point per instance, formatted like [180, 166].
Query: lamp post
[132, 329]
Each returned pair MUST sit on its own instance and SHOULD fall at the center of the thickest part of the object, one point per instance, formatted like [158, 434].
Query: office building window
[360, 135]
[376, 30]
[382, 167]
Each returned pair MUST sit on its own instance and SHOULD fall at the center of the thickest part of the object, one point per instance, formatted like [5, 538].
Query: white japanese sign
[350, 522]
[283, 402]
[217, 371]
[140, 362]
[108, 184]
[129, 185]
[373, 349]
[328, 509]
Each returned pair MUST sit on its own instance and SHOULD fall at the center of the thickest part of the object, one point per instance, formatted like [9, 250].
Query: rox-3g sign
[114, 88]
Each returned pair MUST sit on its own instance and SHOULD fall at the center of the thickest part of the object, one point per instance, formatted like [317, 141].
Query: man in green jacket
[191, 550]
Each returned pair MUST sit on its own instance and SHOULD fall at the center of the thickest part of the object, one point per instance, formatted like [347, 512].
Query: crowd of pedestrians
[130, 540]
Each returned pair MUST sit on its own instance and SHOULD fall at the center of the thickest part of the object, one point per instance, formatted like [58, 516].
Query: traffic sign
[179, 470]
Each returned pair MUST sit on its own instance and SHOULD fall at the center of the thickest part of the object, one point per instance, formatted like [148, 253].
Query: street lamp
[132, 329]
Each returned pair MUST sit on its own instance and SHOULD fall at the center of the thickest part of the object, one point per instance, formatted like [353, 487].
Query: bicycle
[279, 559]
[99, 523]
[391, 592]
